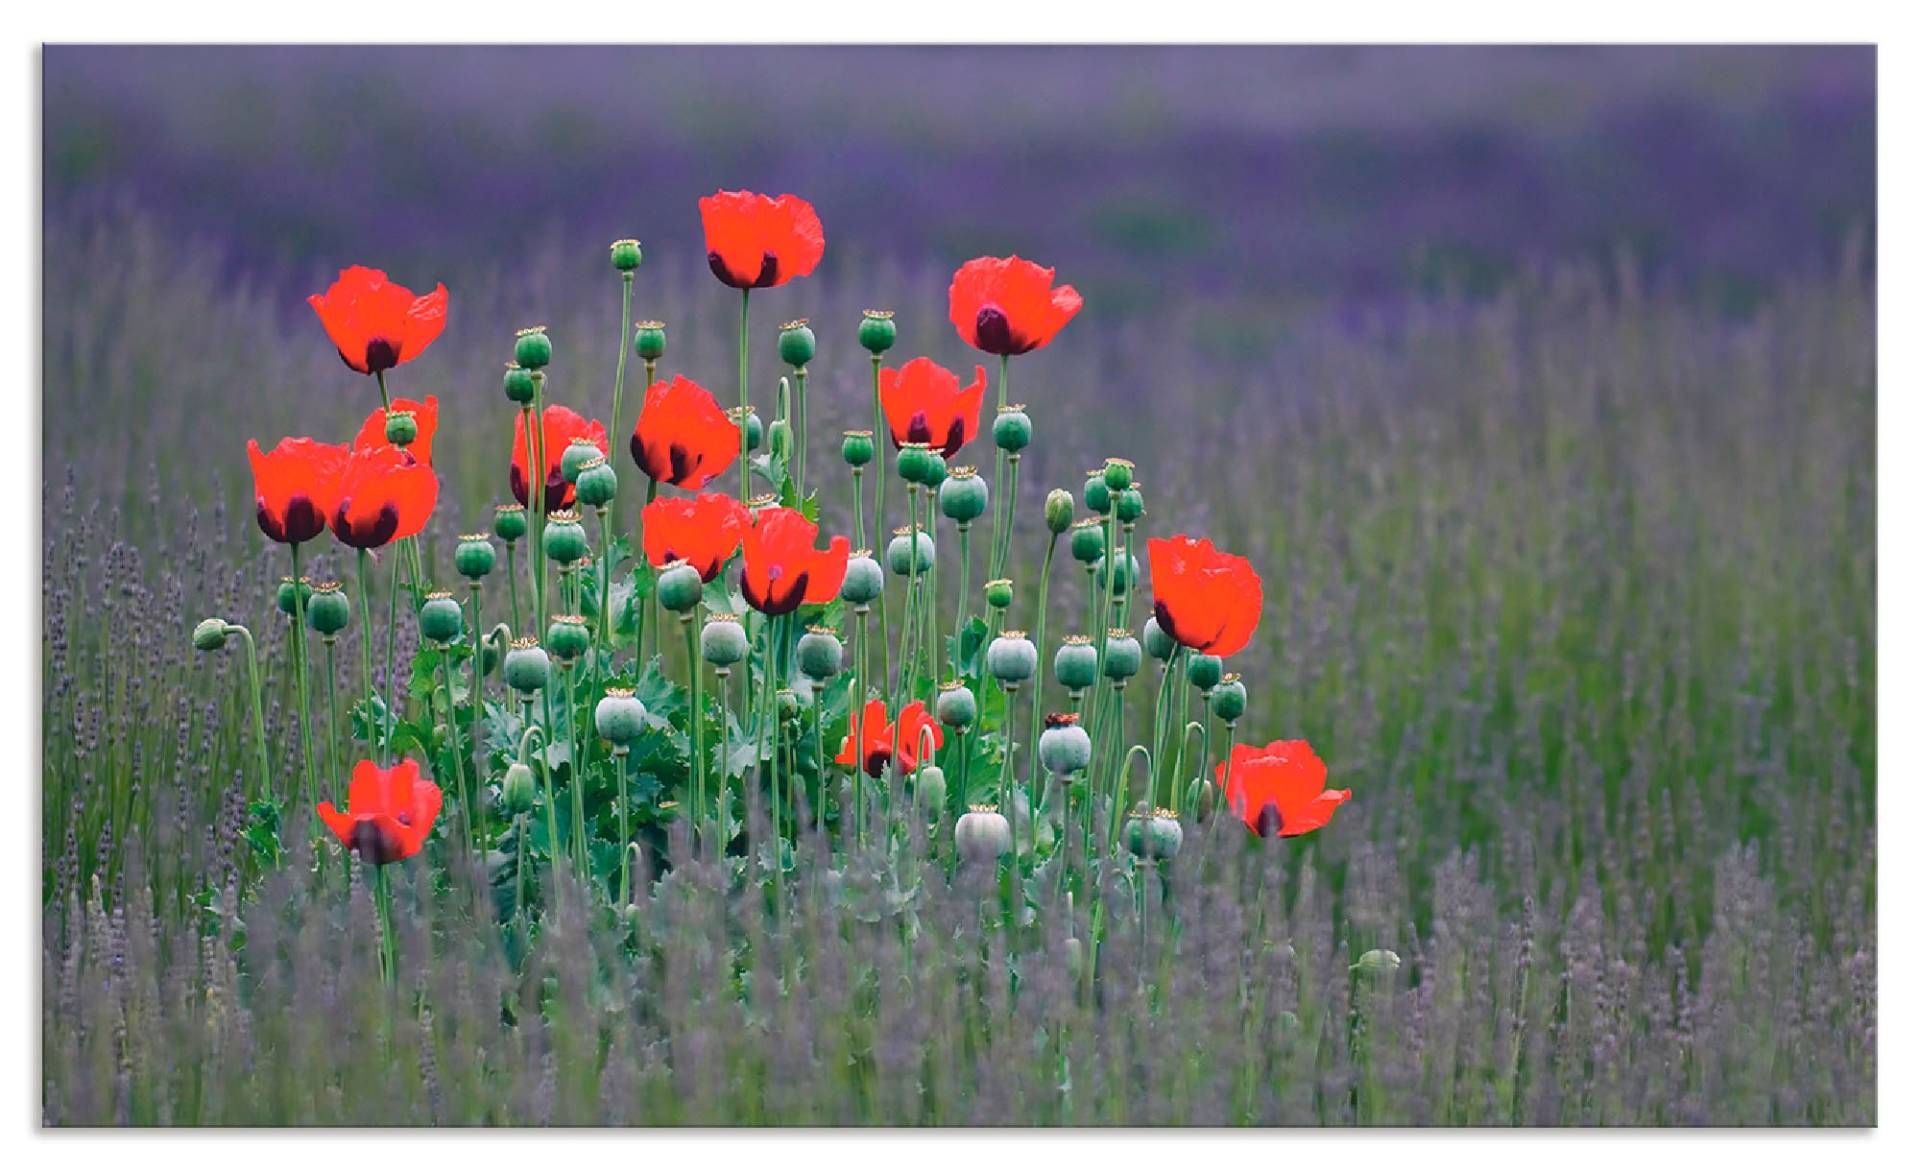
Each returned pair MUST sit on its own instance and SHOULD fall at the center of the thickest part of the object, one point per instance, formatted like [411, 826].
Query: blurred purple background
[1267, 177]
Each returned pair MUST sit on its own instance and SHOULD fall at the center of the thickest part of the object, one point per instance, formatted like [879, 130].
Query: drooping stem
[259, 712]
[299, 639]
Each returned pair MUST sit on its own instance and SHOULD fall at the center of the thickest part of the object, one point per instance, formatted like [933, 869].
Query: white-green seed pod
[723, 641]
[864, 580]
[1012, 658]
[620, 718]
[1156, 640]
[819, 653]
[982, 834]
[900, 552]
[1065, 746]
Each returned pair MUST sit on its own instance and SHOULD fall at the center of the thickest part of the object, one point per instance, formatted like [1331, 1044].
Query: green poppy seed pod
[532, 348]
[518, 383]
[930, 791]
[756, 431]
[650, 340]
[1155, 835]
[527, 666]
[285, 598]
[856, 447]
[780, 440]
[877, 331]
[796, 343]
[723, 640]
[820, 653]
[963, 497]
[1377, 962]
[210, 635]
[564, 540]
[1012, 429]
[1095, 495]
[620, 718]
[1059, 510]
[1229, 700]
[1126, 572]
[999, 593]
[1156, 640]
[982, 834]
[955, 705]
[440, 618]
[473, 556]
[598, 484]
[680, 587]
[912, 462]
[1065, 747]
[625, 254]
[517, 789]
[510, 522]
[936, 470]
[1123, 655]
[864, 579]
[1129, 505]
[787, 701]
[402, 428]
[1076, 663]
[909, 552]
[1011, 658]
[580, 451]
[1117, 474]
[1203, 671]
[328, 610]
[1089, 541]
[568, 637]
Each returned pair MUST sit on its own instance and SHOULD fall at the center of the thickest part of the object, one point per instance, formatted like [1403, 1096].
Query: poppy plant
[873, 746]
[703, 530]
[390, 812]
[376, 324]
[1280, 789]
[925, 403]
[295, 487]
[783, 570]
[558, 427]
[426, 419]
[1006, 305]
[757, 241]
[385, 495]
[1204, 599]
[683, 438]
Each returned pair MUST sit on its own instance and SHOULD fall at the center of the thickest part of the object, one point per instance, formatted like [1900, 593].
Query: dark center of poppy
[1268, 823]
[877, 762]
[993, 332]
[381, 355]
[917, 429]
[374, 845]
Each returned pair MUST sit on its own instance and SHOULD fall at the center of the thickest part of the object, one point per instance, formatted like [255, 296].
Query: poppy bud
[1089, 541]
[877, 331]
[780, 440]
[1118, 475]
[526, 667]
[1229, 700]
[210, 635]
[723, 641]
[982, 834]
[518, 383]
[909, 552]
[913, 461]
[787, 702]
[1096, 495]
[650, 340]
[1065, 746]
[517, 789]
[955, 705]
[1012, 429]
[564, 540]
[402, 429]
[580, 450]
[510, 522]
[440, 619]
[1076, 662]
[930, 790]
[819, 653]
[1377, 962]
[284, 597]
[598, 482]
[1203, 671]
[1156, 640]
[1126, 572]
[796, 343]
[1123, 655]
[999, 593]
[680, 587]
[1202, 795]
[856, 447]
[532, 348]
[1059, 510]
[328, 610]
[864, 580]
[568, 637]
[625, 254]
[1011, 658]
[755, 431]
[1155, 835]
[619, 718]
[473, 556]
[1129, 505]
[963, 497]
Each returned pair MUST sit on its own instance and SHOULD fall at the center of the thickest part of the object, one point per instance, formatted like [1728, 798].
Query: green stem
[800, 429]
[696, 720]
[620, 366]
[333, 716]
[1006, 538]
[880, 523]
[966, 571]
[857, 723]
[453, 732]
[859, 519]
[383, 905]
[393, 627]
[746, 472]
[513, 588]
[546, 774]
[606, 577]
[259, 712]
[999, 483]
[626, 834]
[1040, 640]
[299, 632]
[366, 647]
[473, 703]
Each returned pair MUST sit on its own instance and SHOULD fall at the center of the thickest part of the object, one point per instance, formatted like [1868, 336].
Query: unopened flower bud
[650, 340]
[1229, 700]
[1076, 663]
[510, 522]
[1202, 796]
[864, 580]
[328, 610]
[527, 666]
[1059, 510]
[564, 540]
[723, 640]
[1156, 641]
[598, 482]
[1089, 541]
[856, 447]
[955, 705]
[210, 635]
[680, 587]
[473, 556]
[517, 790]
[625, 255]
[1011, 658]
[963, 496]
[1203, 671]
[982, 834]
[1012, 429]
[1377, 962]
[999, 593]
[532, 348]
[877, 331]
[620, 718]
[910, 552]
[1123, 655]
[930, 790]
[796, 343]
[819, 653]
[1065, 746]
[518, 384]
[780, 440]
[440, 618]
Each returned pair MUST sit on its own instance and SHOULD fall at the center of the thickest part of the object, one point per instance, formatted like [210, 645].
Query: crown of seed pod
[963, 496]
[509, 521]
[856, 447]
[1012, 429]
[1089, 541]
[723, 641]
[620, 718]
[1059, 510]
[625, 254]
[877, 331]
[819, 653]
[650, 340]
[328, 610]
[679, 587]
[532, 347]
[955, 704]
[473, 556]
[796, 343]
[568, 637]
[1065, 746]
[1076, 663]
[1011, 658]
[1155, 835]
[864, 579]
[440, 618]
[598, 483]
[518, 384]
[527, 666]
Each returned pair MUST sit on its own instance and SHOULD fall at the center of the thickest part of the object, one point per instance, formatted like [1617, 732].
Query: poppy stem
[333, 714]
[880, 524]
[1226, 765]
[299, 640]
[746, 472]
[380, 379]
[1167, 668]
[606, 579]
[576, 777]
[1006, 766]
[259, 714]
[930, 637]
[383, 907]
[1040, 640]
[858, 707]
[626, 836]
[620, 366]
[546, 776]
[366, 644]
[513, 586]
[453, 733]
[392, 702]
[800, 430]
[859, 520]
[966, 571]
[999, 481]
[536, 416]
[1006, 538]
[473, 703]
[696, 721]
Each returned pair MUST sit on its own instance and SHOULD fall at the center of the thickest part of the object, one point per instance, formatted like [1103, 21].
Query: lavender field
[1537, 385]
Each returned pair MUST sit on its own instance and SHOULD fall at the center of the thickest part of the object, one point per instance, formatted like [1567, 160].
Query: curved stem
[259, 713]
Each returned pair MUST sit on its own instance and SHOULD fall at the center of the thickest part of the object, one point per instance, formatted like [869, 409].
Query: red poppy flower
[385, 495]
[426, 418]
[875, 738]
[754, 241]
[702, 530]
[295, 486]
[1203, 598]
[925, 404]
[1008, 305]
[783, 570]
[389, 813]
[558, 427]
[376, 324]
[1280, 788]
[683, 437]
